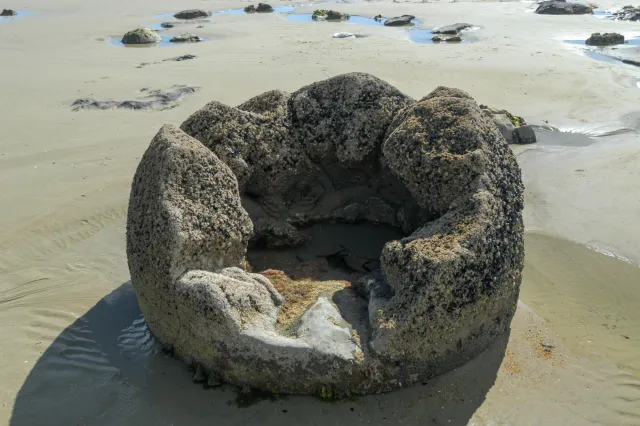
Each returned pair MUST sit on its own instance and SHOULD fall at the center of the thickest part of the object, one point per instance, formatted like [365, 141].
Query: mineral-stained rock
[192, 14]
[507, 123]
[451, 29]
[141, 36]
[399, 21]
[8, 12]
[604, 39]
[348, 149]
[555, 7]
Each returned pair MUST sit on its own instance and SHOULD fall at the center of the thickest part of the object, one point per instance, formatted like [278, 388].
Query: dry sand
[73, 346]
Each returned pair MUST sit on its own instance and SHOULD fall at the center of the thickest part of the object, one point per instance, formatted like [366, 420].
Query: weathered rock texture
[348, 149]
[628, 13]
[192, 14]
[399, 21]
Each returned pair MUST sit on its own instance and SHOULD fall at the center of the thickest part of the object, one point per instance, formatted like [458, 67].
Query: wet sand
[73, 346]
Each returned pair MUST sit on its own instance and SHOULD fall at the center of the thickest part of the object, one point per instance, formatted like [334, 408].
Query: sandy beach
[74, 349]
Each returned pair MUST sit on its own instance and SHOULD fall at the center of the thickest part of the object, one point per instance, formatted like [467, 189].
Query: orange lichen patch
[510, 364]
[545, 351]
[299, 294]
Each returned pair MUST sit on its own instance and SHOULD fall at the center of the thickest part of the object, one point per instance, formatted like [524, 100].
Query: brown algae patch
[300, 293]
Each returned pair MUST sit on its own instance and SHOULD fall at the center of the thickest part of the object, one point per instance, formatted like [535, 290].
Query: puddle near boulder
[627, 53]
[20, 14]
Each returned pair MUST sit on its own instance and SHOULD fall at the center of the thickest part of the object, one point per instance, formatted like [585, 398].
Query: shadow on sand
[106, 369]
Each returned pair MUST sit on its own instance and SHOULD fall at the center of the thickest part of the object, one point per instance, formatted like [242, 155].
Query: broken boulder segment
[399, 21]
[508, 123]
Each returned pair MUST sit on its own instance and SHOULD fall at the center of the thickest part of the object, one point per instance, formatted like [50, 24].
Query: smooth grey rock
[555, 7]
[141, 36]
[524, 135]
[399, 21]
[348, 149]
[451, 29]
[604, 39]
[192, 14]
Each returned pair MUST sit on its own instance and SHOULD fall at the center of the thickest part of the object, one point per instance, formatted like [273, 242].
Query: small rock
[167, 25]
[250, 9]
[605, 39]
[399, 21]
[440, 39]
[8, 12]
[182, 58]
[377, 18]
[451, 29]
[192, 14]
[186, 38]
[141, 36]
[344, 35]
[524, 135]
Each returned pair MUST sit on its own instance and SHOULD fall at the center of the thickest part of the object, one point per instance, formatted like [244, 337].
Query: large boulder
[555, 7]
[349, 149]
[399, 21]
[192, 14]
[141, 36]
[604, 39]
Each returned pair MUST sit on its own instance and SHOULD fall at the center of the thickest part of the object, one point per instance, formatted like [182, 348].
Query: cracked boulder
[274, 176]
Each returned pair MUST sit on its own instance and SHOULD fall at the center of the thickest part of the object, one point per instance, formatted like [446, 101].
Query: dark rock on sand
[192, 14]
[399, 21]
[604, 39]
[250, 9]
[451, 29]
[351, 148]
[556, 7]
[329, 15]
[141, 36]
[8, 12]
[186, 38]
[167, 25]
[377, 18]
[450, 39]
[154, 100]
[628, 13]
[524, 135]
[182, 58]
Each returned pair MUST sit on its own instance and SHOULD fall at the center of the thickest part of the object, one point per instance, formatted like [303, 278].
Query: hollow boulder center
[341, 239]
